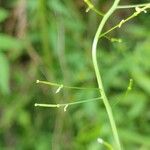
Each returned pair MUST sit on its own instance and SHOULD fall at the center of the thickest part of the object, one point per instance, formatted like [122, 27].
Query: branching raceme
[97, 71]
[139, 8]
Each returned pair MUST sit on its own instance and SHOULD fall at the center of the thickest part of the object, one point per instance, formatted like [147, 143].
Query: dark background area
[51, 40]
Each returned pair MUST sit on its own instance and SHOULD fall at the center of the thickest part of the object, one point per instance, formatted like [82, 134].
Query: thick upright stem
[98, 76]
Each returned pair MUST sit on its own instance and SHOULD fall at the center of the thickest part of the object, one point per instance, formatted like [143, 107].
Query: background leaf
[8, 42]
[3, 14]
[4, 74]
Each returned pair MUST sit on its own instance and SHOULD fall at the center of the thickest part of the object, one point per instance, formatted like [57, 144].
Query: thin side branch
[65, 86]
[67, 104]
[140, 10]
[132, 6]
[92, 7]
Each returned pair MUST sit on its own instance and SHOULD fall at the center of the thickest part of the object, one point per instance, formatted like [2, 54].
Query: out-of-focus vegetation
[51, 40]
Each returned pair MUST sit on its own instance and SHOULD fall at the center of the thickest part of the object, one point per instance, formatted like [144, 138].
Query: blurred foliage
[51, 40]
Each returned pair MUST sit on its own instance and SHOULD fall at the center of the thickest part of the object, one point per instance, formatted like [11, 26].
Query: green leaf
[4, 74]
[3, 14]
[8, 42]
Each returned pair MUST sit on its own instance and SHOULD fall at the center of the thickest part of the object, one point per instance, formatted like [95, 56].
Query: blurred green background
[51, 40]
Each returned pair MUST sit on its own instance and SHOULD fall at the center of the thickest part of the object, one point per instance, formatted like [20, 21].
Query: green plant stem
[98, 75]
[106, 144]
[129, 88]
[98, 12]
[126, 20]
[132, 6]
[65, 86]
[92, 7]
[67, 104]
